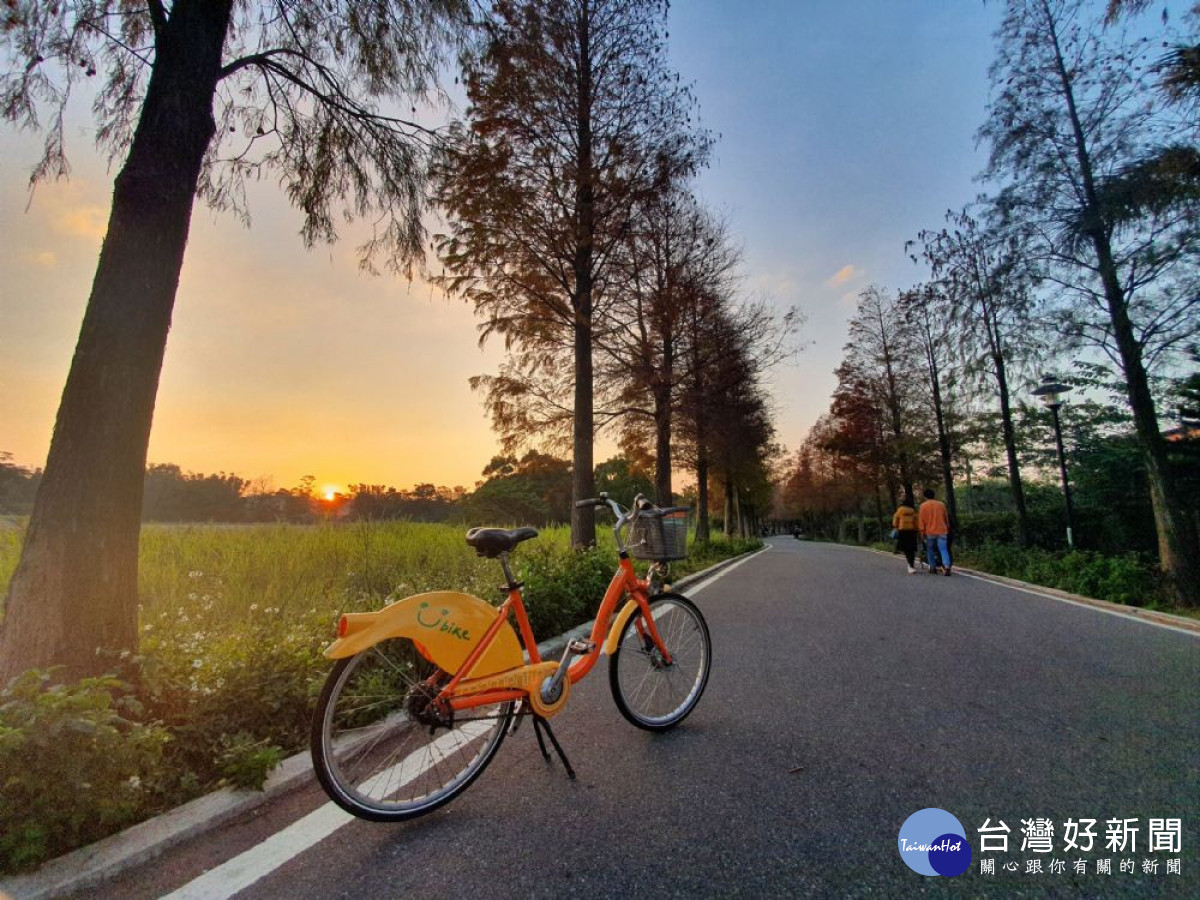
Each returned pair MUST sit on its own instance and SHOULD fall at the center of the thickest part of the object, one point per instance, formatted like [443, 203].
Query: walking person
[904, 520]
[934, 523]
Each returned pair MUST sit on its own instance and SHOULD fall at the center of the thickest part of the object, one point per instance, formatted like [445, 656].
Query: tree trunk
[1010, 451]
[703, 531]
[662, 423]
[583, 477]
[73, 598]
[1177, 546]
[738, 521]
[727, 525]
[895, 412]
[943, 434]
[662, 453]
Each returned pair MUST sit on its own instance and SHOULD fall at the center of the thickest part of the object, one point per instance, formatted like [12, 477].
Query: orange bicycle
[425, 690]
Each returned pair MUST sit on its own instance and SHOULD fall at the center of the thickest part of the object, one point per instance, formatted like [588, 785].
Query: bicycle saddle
[491, 542]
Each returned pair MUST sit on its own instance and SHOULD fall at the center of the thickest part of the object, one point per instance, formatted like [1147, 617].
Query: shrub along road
[845, 696]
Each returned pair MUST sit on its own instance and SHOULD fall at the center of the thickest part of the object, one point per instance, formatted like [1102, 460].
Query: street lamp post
[1050, 392]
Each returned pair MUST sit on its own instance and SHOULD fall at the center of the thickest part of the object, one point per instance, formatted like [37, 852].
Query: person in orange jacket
[934, 522]
[904, 520]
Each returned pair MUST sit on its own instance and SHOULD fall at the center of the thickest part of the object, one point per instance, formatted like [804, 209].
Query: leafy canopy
[321, 95]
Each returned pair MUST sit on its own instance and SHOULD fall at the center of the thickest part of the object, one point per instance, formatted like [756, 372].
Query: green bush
[1107, 530]
[1127, 578]
[245, 762]
[563, 590]
[208, 680]
[230, 663]
[704, 554]
[75, 764]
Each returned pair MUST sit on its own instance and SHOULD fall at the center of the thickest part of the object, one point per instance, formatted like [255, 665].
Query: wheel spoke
[378, 759]
[651, 693]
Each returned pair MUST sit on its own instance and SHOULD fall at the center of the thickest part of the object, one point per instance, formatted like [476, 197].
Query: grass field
[224, 573]
[233, 620]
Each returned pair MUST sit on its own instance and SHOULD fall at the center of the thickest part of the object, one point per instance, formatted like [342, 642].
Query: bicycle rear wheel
[381, 752]
[649, 692]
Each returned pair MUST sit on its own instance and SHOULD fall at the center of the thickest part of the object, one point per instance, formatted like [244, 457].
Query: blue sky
[845, 129]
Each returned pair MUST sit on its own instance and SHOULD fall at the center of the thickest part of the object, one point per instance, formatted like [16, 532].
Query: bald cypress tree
[1073, 109]
[194, 97]
[574, 119]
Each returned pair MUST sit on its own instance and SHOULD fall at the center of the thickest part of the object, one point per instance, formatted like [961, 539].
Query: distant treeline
[17, 486]
[534, 489]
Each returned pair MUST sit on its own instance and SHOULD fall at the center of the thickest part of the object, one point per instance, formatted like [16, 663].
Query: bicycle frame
[451, 662]
[462, 692]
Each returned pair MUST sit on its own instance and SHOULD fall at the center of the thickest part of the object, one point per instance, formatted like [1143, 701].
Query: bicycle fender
[618, 625]
[445, 625]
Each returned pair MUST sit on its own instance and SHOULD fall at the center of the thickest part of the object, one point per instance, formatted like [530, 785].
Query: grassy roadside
[233, 621]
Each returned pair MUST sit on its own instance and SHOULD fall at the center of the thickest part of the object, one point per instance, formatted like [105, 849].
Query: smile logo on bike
[440, 622]
[933, 842]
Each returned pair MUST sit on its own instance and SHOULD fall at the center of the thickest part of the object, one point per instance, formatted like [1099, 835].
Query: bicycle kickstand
[539, 723]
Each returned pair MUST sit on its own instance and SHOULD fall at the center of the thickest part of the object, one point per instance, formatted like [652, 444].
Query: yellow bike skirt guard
[445, 625]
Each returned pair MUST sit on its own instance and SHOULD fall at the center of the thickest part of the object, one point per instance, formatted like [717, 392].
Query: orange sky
[280, 363]
[845, 129]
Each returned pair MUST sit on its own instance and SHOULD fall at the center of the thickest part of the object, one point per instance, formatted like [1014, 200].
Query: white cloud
[82, 221]
[842, 275]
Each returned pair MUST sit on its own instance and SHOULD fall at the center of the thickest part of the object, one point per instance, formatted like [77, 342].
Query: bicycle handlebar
[641, 506]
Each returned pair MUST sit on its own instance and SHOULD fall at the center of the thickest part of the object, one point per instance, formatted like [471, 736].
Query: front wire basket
[660, 534]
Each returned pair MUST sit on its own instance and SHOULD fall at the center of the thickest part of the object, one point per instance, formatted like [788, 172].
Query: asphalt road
[845, 696]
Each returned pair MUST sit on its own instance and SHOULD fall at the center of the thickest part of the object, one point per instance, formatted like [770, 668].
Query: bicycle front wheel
[382, 751]
[649, 692]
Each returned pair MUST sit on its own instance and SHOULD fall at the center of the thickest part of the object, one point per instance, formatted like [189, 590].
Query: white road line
[1133, 617]
[245, 869]
[256, 863]
[707, 581]
[261, 860]
[1120, 614]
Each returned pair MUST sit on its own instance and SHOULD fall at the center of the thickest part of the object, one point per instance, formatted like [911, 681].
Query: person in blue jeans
[934, 522]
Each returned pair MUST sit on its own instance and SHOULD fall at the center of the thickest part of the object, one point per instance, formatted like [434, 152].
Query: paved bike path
[844, 697]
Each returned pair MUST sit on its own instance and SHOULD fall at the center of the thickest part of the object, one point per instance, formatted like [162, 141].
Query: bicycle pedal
[581, 646]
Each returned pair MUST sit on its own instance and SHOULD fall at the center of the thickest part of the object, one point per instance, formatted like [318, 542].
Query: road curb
[144, 841]
[140, 843]
[1181, 623]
